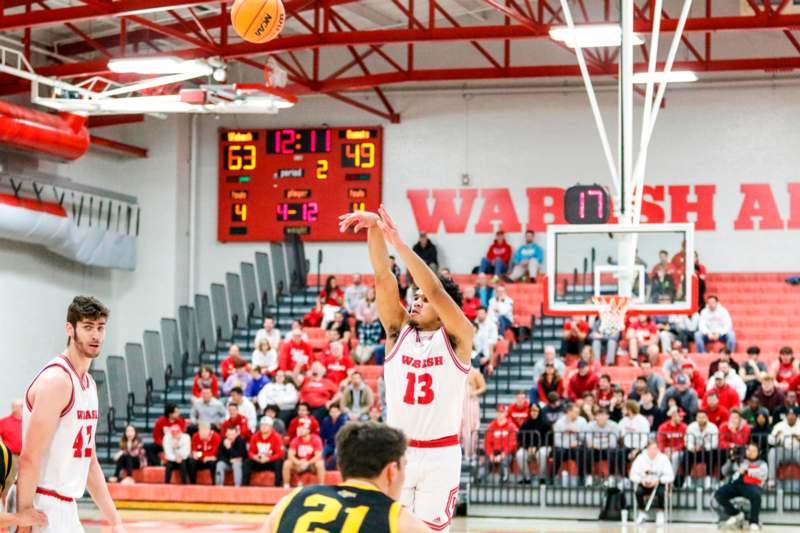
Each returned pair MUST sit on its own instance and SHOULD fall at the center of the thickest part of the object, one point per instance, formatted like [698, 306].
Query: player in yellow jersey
[371, 458]
[29, 517]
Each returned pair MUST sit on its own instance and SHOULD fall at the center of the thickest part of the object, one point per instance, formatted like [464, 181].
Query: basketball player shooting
[58, 461]
[425, 370]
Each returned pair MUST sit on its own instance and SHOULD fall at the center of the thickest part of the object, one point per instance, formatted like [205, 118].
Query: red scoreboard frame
[278, 182]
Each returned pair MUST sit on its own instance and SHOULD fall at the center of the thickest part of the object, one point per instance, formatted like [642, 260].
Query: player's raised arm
[390, 311]
[449, 312]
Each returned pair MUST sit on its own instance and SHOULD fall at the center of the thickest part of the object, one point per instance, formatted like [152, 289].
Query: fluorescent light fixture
[590, 36]
[159, 65]
[674, 76]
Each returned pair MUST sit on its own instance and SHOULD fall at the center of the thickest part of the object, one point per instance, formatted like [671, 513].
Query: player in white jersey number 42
[428, 351]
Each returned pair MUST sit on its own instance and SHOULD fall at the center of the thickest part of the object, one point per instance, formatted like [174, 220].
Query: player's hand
[358, 221]
[31, 517]
[118, 528]
[388, 227]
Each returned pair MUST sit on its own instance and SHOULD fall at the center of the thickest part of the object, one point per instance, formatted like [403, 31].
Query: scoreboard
[292, 181]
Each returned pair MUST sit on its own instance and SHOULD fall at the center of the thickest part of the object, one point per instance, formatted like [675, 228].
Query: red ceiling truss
[188, 29]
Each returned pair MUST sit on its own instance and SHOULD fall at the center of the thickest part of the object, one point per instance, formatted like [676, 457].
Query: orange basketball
[258, 21]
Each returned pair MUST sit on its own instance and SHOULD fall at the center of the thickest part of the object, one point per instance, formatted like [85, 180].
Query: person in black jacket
[231, 454]
[426, 250]
[534, 439]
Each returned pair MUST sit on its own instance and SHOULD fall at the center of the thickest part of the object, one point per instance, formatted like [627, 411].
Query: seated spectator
[426, 251]
[280, 392]
[236, 421]
[662, 286]
[207, 409]
[671, 437]
[588, 355]
[568, 434]
[501, 309]
[640, 334]
[369, 332]
[231, 454]
[246, 407]
[332, 299]
[549, 381]
[759, 434]
[337, 366]
[500, 443]
[130, 456]
[273, 411]
[768, 394]
[265, 452]
[171, 416]
[715, 325]
[635, 431]
[746, 479]
[752, 369]
[724, 356]
[341, 326]
[228, 365]
[582, 381]
[684, 395]
[265, 356]
[697, 382]
[649, 409]
[314, 317]
[789, 403]
[498, 257]
[259, 380]
[470, 303]
[486, 336]
[295, 355]
[534, 440]
[732, 379]
[354, 295]
[328, 429]
[663, 264]
[369, 302]
[396, 271]
[587, 404]
[483, 290]
[655, 383]
[357, 398]
[752, 409]
[638, 388]
[702, 445]
[576, 331]
[305, 455]
[239, 379]
[268, 332]
[785, 439]
[549, 358]
[553, 409]
[673, 366]
[651, 471]
[785, 369]
[303, 418]
[296, 325]
[205, 378]
[728, 396]
[600, 338]
[602, 438]
[617, 401]
[318, 391]
[679, 328]
[526, 259]
[205, 443]
[177, 448]
[733, 435]
[518, 411]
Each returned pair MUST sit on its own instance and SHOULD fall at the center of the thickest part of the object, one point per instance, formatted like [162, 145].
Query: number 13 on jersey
[418, 389]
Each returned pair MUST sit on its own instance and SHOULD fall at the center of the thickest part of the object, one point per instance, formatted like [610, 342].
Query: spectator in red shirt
[518, 411]
[332, 299]
[604, 392]
[717, 413]
[171, 416]
[304, 419]
[672, 437]
[735, 433]
[295, 354]
[313, 319]
[337, 366]
[305, 455]
[728, 397]
[785, 369]
[205, 377]
[584, 380]
[265, 452]
[318, 392]
[498, 257]
[11, 430]
[663, 263]
[470, 303]
[501, 442]
[204, 451]
[576, 330]
[641, 334]
[236, 420]
[228, 365]
[695, 379]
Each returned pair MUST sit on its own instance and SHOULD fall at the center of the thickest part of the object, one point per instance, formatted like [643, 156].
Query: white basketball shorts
[431, 488]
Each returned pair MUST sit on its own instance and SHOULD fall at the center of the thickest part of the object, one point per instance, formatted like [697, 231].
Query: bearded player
[425, 370]
[58, 461]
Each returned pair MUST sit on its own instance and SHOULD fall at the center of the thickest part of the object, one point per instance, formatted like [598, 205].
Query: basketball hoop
[611, 310]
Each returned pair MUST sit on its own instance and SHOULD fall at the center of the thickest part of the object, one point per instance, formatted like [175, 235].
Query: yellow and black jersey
[350, 507]
[5, 467]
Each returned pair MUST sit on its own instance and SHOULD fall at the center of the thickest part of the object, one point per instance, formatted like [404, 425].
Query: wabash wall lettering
[422, 363]
[452, 208]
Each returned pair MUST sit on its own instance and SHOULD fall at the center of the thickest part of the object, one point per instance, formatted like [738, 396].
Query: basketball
[258, 21]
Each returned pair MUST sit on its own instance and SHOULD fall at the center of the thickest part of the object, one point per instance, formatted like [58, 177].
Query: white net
[611, 310]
